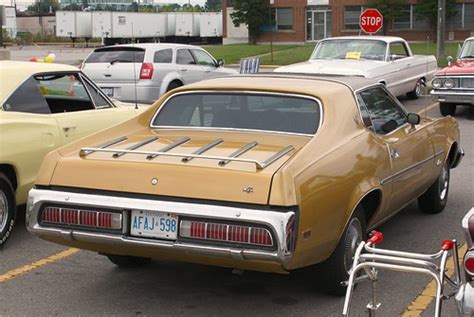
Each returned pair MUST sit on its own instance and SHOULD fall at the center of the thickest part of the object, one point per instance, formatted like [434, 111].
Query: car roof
[289, 82]
[386, 39]
[150, 46]
[13, 73]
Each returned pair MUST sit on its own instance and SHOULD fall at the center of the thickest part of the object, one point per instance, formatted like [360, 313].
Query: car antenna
[134, 70]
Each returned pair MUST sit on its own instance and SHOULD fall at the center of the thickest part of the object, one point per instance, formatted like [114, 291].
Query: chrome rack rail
[185, 157]
[375, 259]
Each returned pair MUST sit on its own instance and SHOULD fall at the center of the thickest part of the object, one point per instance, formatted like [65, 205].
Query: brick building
[299, 21]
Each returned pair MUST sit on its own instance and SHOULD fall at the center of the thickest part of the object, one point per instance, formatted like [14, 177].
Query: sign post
[371, 21]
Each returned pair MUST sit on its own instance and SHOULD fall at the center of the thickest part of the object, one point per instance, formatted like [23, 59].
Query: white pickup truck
[386, 59]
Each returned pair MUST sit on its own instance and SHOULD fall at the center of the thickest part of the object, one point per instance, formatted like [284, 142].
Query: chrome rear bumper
[276, 221]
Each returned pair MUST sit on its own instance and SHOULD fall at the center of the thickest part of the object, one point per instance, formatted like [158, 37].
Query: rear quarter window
[163, 56]
[117, 55]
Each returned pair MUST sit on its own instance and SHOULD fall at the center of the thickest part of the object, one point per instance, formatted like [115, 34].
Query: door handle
[68, 129]
[184, 69]
[394, 153]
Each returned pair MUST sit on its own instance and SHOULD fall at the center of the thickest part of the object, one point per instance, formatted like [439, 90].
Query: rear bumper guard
[275, 221]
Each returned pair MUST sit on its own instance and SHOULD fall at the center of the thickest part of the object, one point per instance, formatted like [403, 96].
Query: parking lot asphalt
[38, 278]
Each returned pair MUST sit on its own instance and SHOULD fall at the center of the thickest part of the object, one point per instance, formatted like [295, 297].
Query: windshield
[468, 50]
[254, 111]
[350, 49]
[116, 55]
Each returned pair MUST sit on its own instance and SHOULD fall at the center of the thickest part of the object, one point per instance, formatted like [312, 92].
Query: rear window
[117, 55]
[255, 111]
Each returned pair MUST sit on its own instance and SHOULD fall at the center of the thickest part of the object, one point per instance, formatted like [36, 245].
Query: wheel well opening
[383, 83]
[176, 81]
[371, 203]
[10, 173]
[452, 152]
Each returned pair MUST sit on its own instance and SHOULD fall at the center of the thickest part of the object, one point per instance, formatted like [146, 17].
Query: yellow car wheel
[7, 209]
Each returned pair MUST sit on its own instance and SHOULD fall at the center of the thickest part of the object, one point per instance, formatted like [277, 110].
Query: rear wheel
[126, 261]
[416, 93]
[336, 269]
[173, 85]
[435, 198]
[7, 209]
[447, 109]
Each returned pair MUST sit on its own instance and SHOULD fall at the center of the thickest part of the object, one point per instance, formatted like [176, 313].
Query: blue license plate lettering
[154, 224]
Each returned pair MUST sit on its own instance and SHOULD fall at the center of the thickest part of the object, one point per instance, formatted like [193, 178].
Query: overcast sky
[200, 2]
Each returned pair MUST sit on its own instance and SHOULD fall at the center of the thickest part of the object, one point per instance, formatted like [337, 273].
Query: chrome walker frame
[375, 259]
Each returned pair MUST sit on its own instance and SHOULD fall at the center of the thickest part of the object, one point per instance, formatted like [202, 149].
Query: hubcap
[418, 88]
[353, 238]
[3, 210]
[443, 183]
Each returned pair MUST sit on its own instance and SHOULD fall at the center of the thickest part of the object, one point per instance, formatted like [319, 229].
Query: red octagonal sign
[371, 21]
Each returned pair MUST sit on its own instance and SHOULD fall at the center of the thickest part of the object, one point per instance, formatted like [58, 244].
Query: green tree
[428, 10]
[389, 8]
[44, 6]
[253, 13]
[213, 5]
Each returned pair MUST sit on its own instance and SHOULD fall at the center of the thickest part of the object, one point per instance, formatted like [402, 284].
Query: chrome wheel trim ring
[3, 210]
[352, 240]
[443, 183]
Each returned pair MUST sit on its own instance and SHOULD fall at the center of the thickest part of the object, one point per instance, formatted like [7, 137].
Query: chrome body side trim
[275, 221]
[392, 177]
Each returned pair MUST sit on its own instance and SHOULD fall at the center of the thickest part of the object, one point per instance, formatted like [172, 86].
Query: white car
[385, 59]
[143, 72]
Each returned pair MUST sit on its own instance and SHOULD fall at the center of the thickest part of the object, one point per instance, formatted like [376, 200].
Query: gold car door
[409, 146]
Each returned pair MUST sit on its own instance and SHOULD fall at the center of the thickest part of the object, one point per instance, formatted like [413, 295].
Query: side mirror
[413, 118]
[450, 60]
[389, 126]
[220, 62]
[393, 57]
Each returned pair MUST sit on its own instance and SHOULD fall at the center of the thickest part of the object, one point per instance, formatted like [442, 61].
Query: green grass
[233, 53]
[289, 54]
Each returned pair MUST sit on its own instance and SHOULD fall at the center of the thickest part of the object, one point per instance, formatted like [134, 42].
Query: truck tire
[416, 93]
[125, 261]
[435, 198]
[336, 269]
[447, 109]
[7, 209]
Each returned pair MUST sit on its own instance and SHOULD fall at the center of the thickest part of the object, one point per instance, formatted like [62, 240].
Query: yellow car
[43, 106]
[266, 173]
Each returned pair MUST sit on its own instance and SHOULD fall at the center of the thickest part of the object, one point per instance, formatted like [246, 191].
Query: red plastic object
[469, 264]
[375, 237]
[447, 245]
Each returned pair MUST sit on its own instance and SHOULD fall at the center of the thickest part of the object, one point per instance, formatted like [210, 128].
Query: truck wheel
[435, 198]
[336, 269]
[415, 93]
[7, 209]
[126, 261]
[447, 109]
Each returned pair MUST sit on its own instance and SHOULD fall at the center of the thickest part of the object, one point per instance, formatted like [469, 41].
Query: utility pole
[441, 29]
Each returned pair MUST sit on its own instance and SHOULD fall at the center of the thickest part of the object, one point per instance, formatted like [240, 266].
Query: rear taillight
[469, 262]
[82, 218]
[241, 234]
[146, 72]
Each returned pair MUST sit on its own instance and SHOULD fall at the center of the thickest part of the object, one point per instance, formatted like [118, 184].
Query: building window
[351, 17]
[456, 21]
[468, 16]
[284, 19]
[403, 20]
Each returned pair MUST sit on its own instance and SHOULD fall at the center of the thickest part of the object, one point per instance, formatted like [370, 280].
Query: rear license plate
[154, 224]
[108, 91]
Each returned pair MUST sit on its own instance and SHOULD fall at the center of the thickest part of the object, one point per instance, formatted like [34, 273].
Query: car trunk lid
[114, 64]
[238, 169]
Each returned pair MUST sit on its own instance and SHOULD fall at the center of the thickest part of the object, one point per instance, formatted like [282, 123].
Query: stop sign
[371, 21]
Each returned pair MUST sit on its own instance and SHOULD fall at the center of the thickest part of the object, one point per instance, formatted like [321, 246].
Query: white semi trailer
[210, 24]
[74, 24]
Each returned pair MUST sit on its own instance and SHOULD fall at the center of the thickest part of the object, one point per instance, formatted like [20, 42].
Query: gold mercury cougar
[268, 172]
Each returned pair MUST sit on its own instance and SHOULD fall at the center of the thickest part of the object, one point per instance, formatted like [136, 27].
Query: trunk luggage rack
[185, 157]
[399, 261]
